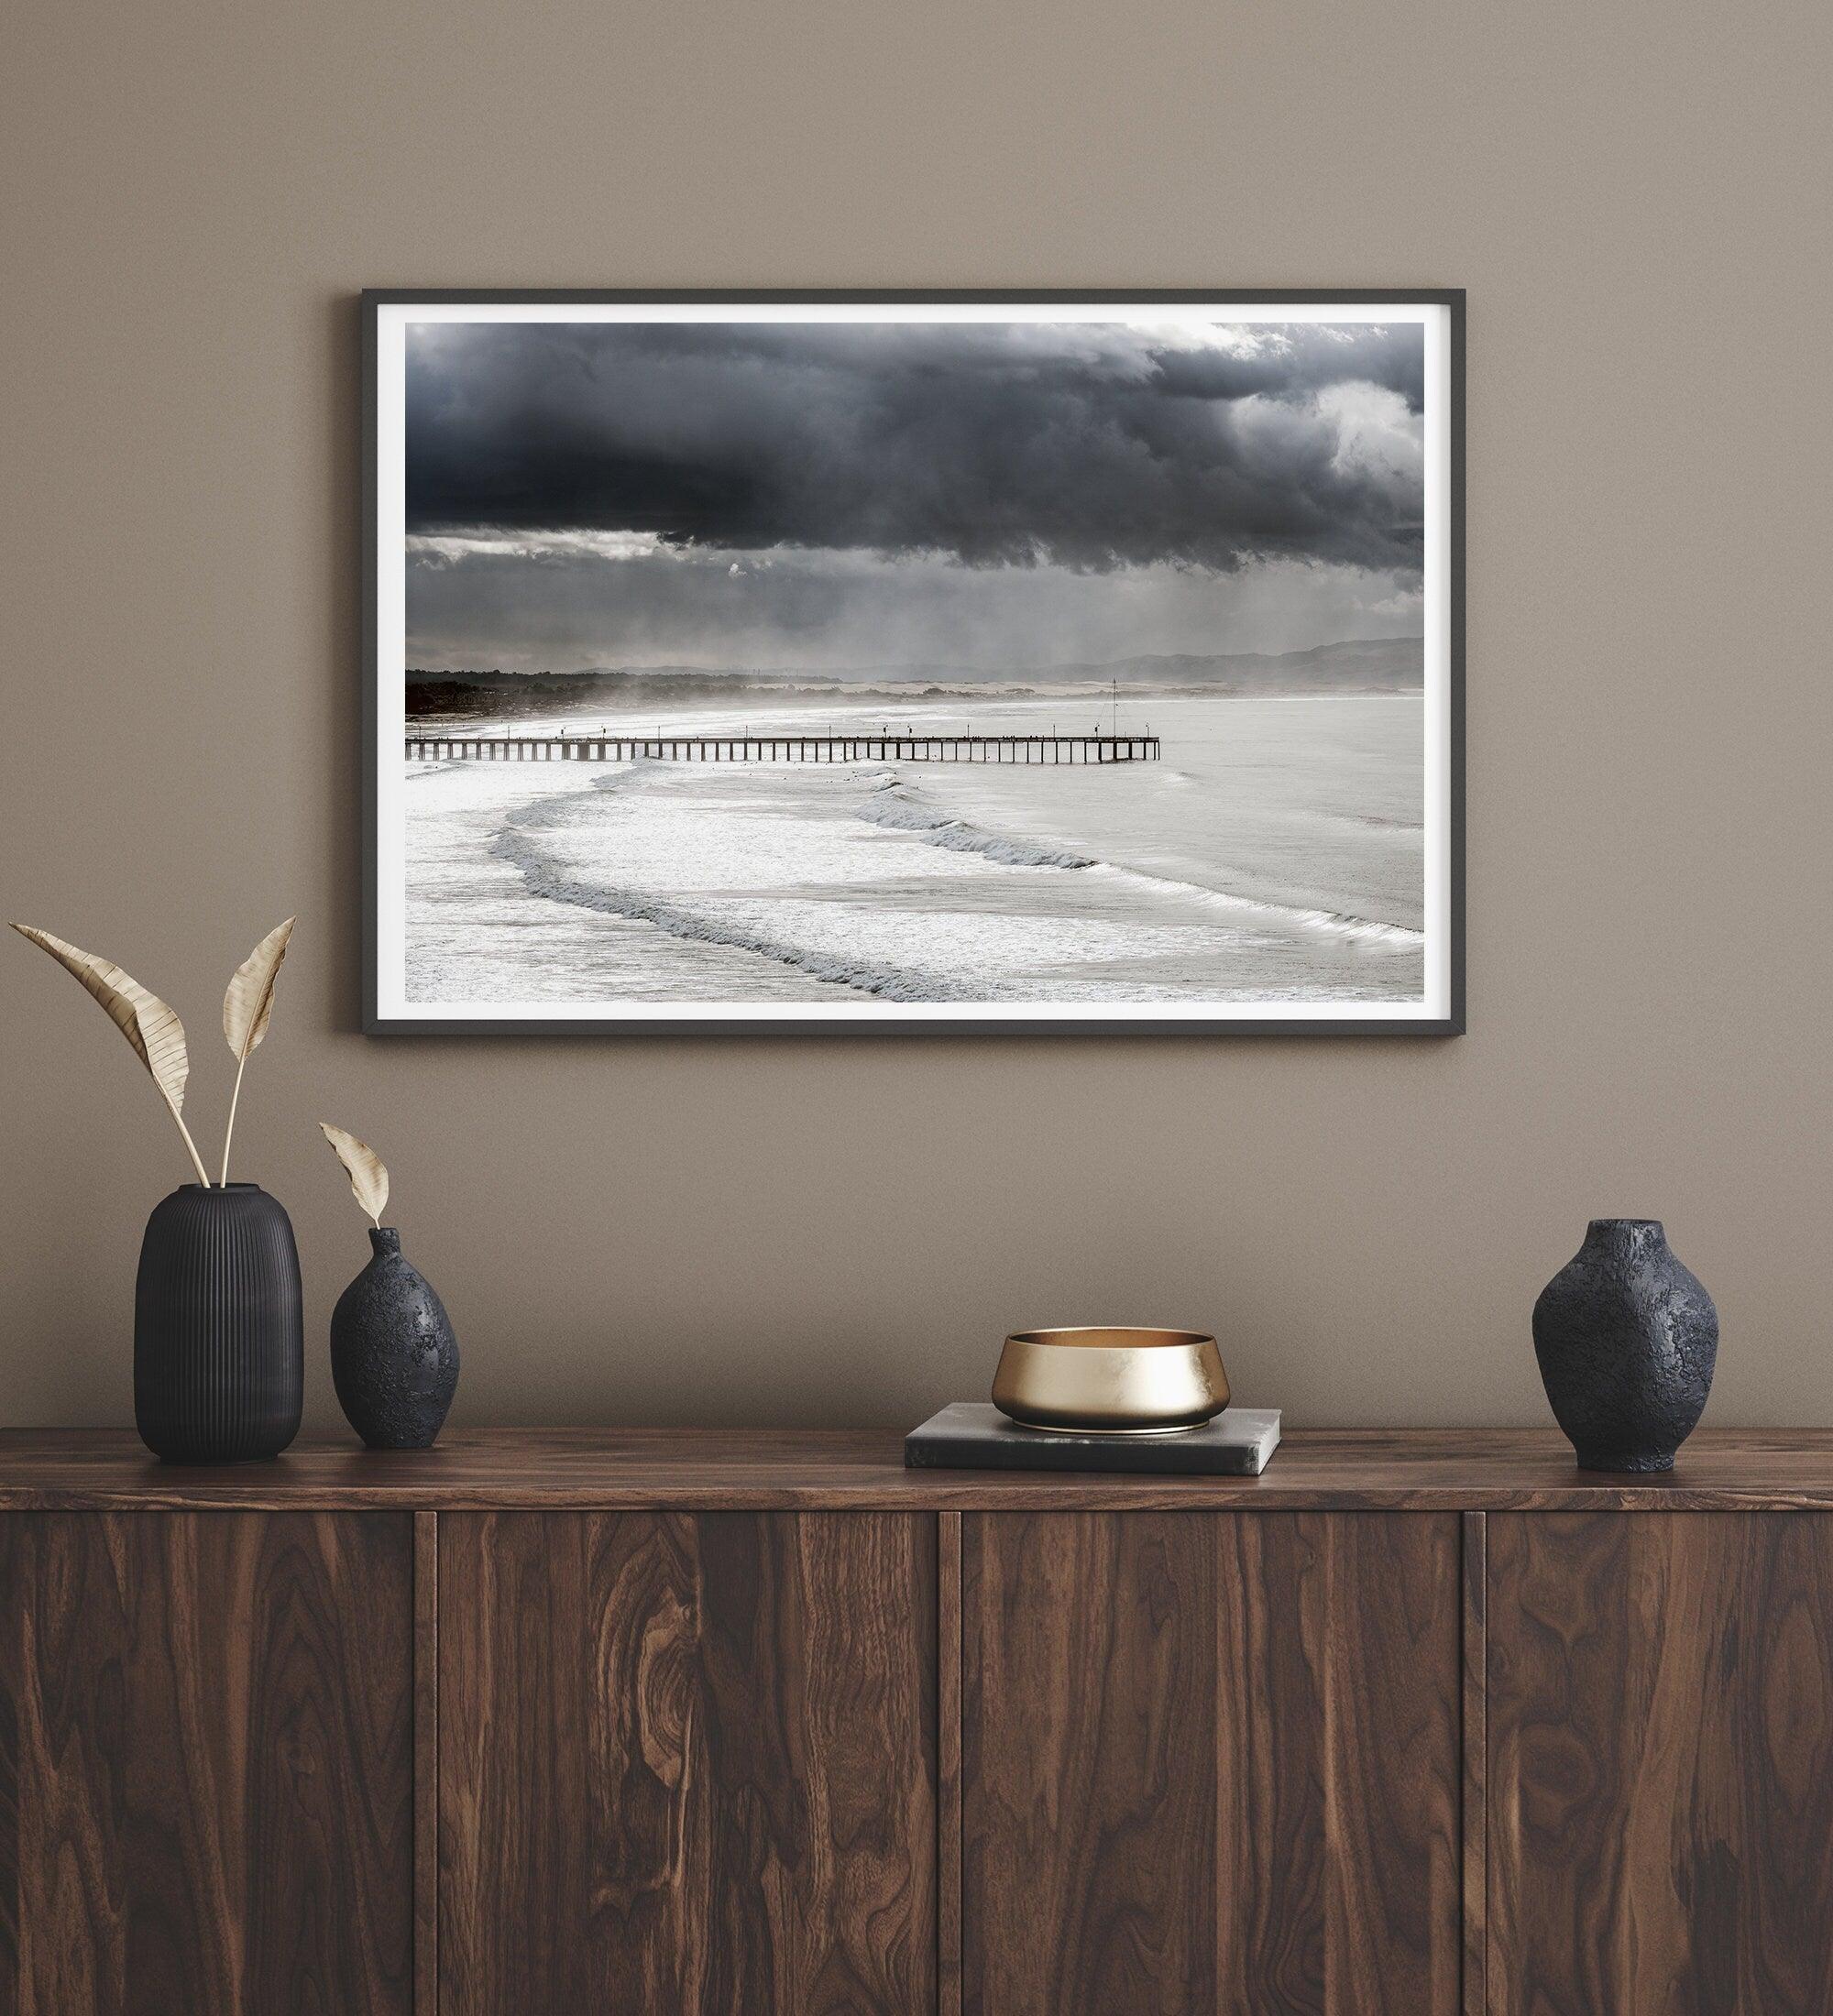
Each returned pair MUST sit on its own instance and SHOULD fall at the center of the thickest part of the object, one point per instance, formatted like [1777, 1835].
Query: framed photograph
[919, 663]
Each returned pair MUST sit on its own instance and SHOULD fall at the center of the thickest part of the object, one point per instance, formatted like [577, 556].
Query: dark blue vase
[393, 1357]
[1626, 1339]
[219, 1336]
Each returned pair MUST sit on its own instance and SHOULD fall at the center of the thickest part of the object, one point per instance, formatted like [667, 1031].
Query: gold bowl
[1110, 1382]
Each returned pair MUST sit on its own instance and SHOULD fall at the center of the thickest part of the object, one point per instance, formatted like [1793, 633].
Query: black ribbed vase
[219, 1335]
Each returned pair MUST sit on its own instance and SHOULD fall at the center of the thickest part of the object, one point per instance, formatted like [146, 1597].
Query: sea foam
[544, 877]
[893, 806]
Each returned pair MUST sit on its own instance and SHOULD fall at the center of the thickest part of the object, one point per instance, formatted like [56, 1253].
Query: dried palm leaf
[247, 1008]
[368, 1179]
[154, 1031]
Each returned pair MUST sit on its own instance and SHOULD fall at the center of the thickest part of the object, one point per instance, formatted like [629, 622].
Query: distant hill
[1369, 665]
[1366, 665]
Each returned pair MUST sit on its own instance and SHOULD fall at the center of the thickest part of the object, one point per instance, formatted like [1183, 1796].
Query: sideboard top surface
[848, 1470]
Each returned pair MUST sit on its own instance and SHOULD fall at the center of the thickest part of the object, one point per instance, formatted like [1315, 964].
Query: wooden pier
[887, 747]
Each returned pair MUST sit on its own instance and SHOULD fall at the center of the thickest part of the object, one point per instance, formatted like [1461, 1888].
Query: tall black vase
[1626, 1339]
[219, 1335]
[394, 1359]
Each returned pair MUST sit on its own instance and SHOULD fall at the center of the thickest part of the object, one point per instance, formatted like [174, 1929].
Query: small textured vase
[1626, 1339]
[219, 1337]
[393, 1357]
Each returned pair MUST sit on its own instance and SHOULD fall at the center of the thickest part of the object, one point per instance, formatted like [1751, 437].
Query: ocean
[1274, 854]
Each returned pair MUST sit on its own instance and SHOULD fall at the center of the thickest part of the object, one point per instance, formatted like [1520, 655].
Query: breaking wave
[887, 983]
[1333, 924]
[894, 804]
[891, 806]
[882, 798]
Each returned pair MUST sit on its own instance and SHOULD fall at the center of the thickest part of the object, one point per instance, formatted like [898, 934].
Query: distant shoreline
[1363, 667]
[447, 701]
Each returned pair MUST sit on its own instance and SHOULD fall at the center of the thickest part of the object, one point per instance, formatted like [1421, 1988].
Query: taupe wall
[808, 1232]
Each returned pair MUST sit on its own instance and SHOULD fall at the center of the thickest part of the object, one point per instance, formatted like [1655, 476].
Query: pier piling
[430, 746]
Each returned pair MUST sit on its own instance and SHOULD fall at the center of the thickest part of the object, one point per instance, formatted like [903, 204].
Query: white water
[1274, 854]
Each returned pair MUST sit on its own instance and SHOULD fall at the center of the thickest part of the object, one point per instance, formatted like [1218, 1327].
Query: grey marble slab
[975, 1435]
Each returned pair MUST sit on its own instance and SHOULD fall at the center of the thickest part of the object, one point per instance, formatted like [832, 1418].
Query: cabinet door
[1211, 1762]
[206, 1797]
[687, 1763]
[1661, 1764]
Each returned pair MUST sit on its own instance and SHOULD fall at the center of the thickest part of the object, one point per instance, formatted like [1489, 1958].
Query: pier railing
[425, 745]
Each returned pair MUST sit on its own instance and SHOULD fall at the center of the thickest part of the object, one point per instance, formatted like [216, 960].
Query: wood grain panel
[1475, 1740]
[206, 1764]
[1661, 1765]
[949, 1764]
[687, 1763]
[425, 1763]
[1316, 1469]
[1211, 1763]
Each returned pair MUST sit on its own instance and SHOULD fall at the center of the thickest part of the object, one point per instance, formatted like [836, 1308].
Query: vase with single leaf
[394, 1359]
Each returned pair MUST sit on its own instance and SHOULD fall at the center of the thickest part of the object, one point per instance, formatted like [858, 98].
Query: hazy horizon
[1382, 649]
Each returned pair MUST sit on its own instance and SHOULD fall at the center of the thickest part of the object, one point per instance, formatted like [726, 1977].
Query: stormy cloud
[1078, 447]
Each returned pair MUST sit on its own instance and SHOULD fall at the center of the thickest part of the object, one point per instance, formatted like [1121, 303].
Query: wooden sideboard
[660, 1722]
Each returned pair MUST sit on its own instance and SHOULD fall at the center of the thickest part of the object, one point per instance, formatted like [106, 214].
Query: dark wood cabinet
[1661, 1763]
[207, 1771]
[688, 1761]
[730, 1724]
[1211, 1762]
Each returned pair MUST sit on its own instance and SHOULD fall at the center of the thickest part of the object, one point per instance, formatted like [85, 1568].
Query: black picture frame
[888, 1023]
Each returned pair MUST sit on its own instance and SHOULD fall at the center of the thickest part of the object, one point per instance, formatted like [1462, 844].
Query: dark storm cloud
[1086, 446]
